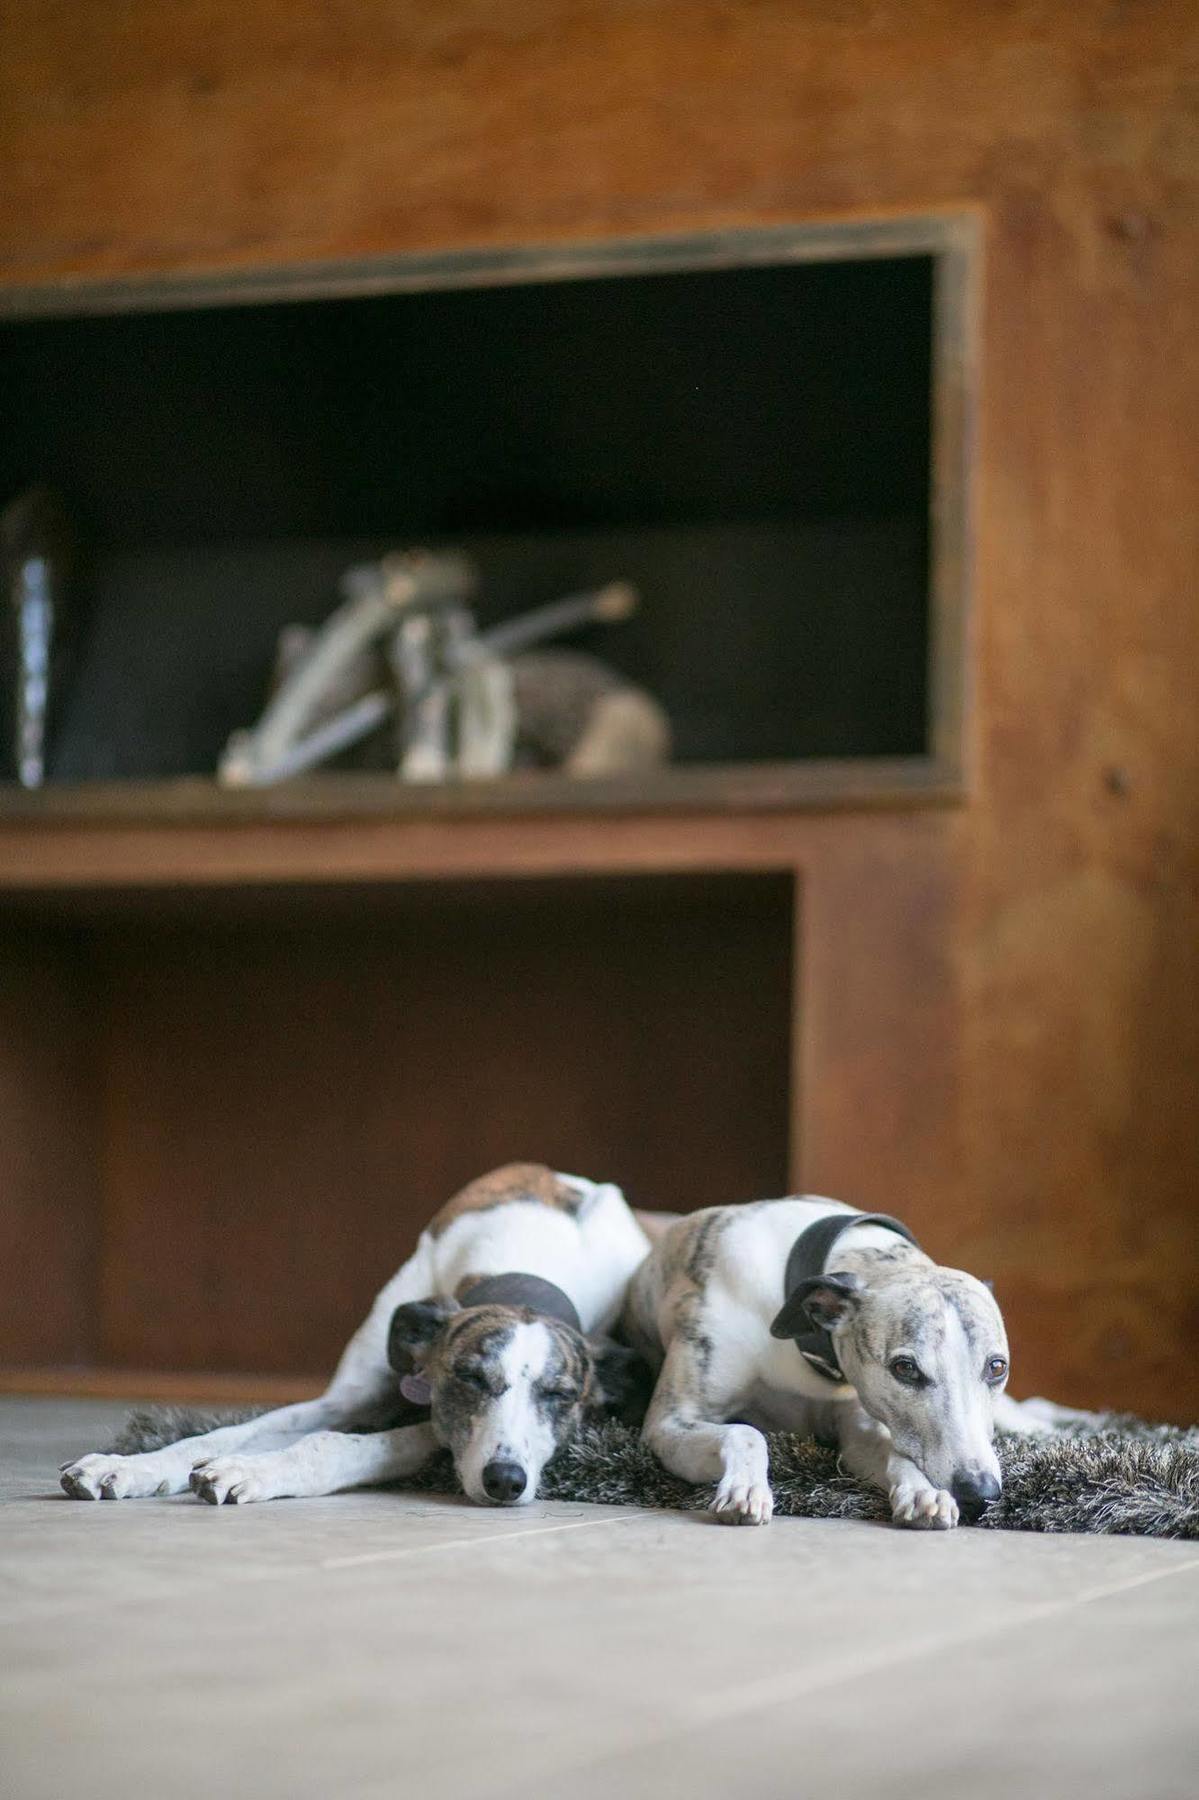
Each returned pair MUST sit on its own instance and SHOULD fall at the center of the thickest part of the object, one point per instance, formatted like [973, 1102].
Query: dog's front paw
[104, 1477]
[237, 1480]
[741, 1502]
[923, 1508]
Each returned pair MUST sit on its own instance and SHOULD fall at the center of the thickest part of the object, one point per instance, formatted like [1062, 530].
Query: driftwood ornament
[404, 648]
[297, 731]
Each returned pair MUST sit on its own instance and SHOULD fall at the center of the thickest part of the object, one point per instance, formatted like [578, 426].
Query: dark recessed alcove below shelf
[253, 1100]
[751, 446]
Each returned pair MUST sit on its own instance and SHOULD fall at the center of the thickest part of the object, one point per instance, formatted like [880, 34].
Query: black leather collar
[522, 1291]
[806, 1263]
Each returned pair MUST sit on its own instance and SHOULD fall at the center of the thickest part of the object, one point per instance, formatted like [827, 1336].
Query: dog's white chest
[783, 1371]
[788, 1395]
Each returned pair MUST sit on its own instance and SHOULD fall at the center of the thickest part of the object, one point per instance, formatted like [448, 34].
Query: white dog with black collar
[806, 1315]
[491, 1330]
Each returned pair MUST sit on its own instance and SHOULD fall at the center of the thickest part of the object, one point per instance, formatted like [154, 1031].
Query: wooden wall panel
[289, 1101]
[216, 134]
[49, 1210]
[1079, 933]
[1020, 1085]
[1060, 929]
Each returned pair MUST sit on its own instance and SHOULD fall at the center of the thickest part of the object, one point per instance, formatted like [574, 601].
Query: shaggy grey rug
[1119, 1475]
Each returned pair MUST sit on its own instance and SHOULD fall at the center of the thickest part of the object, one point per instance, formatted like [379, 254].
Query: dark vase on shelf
[36, 543]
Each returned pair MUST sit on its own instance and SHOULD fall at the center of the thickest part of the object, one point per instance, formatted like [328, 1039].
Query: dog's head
[926, 1349]
[507, 1386]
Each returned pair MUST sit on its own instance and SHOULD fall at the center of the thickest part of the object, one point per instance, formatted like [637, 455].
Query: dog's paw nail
[202, 1484]
[103, 1477]
[743, 1503]
[923, 1509]
[229, 1481]
[94, 1478]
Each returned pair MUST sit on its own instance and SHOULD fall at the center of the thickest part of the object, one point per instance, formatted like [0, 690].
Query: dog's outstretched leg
[700, 1450]
[106, 1476]
[868, 1452]
[363, 1377]
[324, 1463]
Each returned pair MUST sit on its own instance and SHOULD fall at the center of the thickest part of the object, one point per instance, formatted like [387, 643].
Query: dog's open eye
[906, 1370]
[996, 1368]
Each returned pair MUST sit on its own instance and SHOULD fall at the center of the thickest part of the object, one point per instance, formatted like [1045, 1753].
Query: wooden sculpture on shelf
[471, 704]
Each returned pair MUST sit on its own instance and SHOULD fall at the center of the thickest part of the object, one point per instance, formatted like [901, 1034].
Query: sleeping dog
[805, 1315]
[483, 1340]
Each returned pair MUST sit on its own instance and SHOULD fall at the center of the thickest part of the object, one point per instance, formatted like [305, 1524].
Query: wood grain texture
[49, 1129]
[1043, 1091]
[289, 1103]
[74, 865]
[224, 136]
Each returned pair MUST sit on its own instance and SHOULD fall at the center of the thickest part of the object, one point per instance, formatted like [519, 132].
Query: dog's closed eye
[561, 1393]
[474, 1375]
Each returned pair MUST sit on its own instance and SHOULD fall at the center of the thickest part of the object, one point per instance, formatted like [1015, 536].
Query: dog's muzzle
[504, 1482]
[974, 1493]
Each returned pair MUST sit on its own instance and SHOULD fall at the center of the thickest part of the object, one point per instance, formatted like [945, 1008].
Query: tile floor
[379, 1645]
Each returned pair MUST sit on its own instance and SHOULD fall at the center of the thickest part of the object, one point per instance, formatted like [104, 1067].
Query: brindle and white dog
[487, 1330]
[805, 1315]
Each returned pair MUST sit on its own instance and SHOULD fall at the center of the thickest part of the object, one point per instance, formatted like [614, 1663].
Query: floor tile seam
[202, 1580]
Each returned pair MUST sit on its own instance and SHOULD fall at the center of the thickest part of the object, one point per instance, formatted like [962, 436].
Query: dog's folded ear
[624, 1380]
[414, 1327]
[821, 1300]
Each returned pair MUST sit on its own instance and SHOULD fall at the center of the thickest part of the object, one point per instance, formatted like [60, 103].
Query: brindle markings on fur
[515, 1181]
[928, 1299]
[472, 1346]
[878, 1300]
[929, 1291]
[702, 1250]
[365, 1428]
[923, 1317]
[925, 1291]
[896, 1253]
[893, 1258]
[694, 1261]
[963, 1297]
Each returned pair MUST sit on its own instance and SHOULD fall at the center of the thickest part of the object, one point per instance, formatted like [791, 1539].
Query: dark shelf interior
[751, 446]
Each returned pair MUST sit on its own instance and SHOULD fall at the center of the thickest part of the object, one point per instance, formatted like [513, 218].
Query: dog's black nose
[974, 1493]
[504, 1481]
